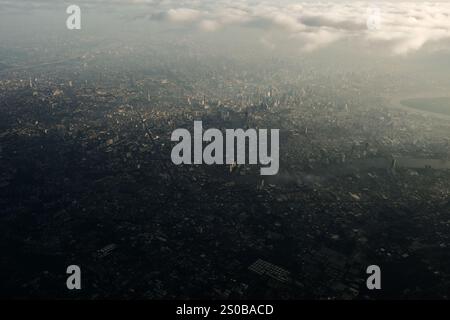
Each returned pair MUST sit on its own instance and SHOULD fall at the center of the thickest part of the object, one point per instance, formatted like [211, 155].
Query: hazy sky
[399, 27]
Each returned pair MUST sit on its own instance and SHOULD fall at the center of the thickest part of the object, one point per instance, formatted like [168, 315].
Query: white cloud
[319, 39]
[183, 15]
[404, 27]
[209, 25]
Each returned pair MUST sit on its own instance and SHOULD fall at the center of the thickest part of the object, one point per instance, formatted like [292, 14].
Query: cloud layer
[400, 27]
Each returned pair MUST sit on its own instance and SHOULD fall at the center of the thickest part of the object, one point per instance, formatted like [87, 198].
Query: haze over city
[359, 91]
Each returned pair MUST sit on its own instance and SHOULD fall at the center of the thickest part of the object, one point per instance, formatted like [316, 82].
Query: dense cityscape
[86, 176]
